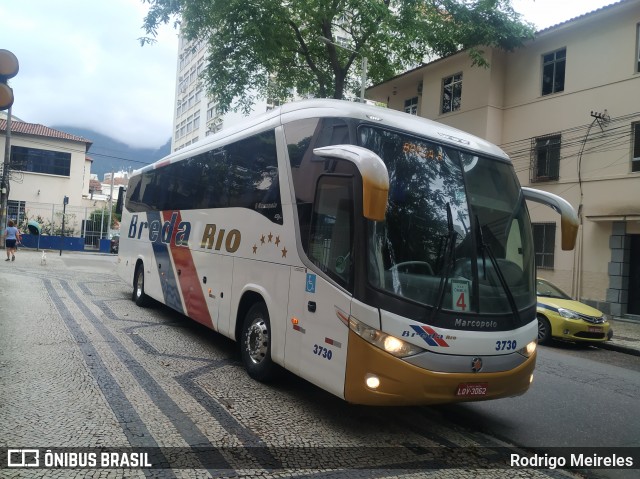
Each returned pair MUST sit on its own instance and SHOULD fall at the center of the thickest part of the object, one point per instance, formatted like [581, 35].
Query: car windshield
[549, 290]
[456, 234]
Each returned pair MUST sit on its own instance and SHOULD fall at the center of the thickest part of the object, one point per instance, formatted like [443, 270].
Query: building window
[545, 158]
[451, 93]
[411, 106]
[635, 162]
[272, 103]
[16, 212]
[553, 69]
[544, 241]
[35, 160]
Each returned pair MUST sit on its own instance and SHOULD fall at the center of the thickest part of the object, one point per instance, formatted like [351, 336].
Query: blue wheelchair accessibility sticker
[311, 283]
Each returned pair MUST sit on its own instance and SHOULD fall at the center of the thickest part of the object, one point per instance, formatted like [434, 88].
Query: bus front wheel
[255, 344]
[139, 295]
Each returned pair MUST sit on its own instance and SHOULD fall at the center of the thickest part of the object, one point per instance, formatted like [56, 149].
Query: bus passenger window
[331, 235]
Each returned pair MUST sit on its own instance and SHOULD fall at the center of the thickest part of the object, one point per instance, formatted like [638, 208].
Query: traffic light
[8, 69]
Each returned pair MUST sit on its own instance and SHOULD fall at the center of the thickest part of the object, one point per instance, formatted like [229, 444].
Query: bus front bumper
[401, 383]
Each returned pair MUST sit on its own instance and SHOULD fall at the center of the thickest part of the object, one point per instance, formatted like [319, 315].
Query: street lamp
[364, 64]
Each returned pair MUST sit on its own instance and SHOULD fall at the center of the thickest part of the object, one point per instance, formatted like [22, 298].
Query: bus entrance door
[316, 339]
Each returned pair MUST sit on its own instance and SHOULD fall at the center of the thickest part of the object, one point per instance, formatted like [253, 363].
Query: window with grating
[545, 158]
[635, 160]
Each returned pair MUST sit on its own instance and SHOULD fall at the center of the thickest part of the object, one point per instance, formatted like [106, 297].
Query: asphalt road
[580, 397]
[82, 366]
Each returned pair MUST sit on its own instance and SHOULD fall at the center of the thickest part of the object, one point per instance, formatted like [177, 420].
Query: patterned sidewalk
[626, 336]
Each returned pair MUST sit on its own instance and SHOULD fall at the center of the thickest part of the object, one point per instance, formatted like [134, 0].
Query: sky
[82, 65]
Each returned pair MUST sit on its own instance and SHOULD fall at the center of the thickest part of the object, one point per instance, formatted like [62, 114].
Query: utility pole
[110, 206]
[4, 193]
[65, 202]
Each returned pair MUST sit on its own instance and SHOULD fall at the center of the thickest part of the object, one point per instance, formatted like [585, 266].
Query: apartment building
[566, 108]
[196, 115]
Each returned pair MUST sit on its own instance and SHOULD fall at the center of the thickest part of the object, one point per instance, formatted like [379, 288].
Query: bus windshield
[456, 235]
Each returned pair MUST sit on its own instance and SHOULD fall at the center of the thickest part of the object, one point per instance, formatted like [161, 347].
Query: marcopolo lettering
[476, 323]
[159, 232]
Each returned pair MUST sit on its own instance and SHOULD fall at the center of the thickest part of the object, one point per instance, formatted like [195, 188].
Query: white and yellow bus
[386, 258]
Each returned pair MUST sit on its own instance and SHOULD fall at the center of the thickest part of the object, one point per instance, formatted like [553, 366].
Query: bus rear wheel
[139, 296]
[255, 344]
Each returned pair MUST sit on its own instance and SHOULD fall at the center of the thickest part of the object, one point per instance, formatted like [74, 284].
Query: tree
[269, 48]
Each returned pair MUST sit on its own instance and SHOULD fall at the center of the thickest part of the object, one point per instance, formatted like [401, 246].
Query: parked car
[561, 317]
[115, 243]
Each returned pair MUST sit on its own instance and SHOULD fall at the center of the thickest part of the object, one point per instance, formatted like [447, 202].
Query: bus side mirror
[121, 192]
[375, 177]
[569, 221]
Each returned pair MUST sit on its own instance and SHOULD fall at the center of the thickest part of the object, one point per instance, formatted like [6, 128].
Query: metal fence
[90, 223]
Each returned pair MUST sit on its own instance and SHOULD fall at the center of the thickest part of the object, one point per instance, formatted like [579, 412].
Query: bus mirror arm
[569, 221]
[375, 177]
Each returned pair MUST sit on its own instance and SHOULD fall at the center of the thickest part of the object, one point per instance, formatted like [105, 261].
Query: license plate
[472, 389]
[594, 329]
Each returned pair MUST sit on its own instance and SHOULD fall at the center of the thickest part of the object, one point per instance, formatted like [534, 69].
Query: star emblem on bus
[265, 239]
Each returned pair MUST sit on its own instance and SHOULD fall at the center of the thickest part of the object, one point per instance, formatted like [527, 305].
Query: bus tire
[139, 296]
[544, 330]
[255, 344]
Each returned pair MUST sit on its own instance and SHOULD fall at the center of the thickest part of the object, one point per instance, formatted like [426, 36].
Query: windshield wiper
[482, 246]
[449, 259]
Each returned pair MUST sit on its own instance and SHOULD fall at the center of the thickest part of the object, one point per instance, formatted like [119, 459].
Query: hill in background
[109, 154]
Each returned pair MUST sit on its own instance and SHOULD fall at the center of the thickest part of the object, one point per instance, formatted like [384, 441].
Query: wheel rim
[542, 330]
[257, 340]
[139, 284]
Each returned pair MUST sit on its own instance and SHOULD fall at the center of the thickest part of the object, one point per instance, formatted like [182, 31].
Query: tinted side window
[243, 174]
[253, 176]
[132, 201]
[213, 167]
[302, 137]
[331, 234]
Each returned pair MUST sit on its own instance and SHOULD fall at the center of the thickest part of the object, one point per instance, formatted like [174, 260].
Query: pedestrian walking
[12, 238]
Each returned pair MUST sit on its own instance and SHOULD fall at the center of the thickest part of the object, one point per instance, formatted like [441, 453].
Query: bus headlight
[529, 349]
[384, 341]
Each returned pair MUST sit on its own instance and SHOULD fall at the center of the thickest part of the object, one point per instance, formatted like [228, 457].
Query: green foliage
[49, 227]
[269, 48]
[98, 221]
[116, 218]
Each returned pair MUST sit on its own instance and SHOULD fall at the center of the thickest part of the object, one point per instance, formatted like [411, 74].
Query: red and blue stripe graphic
[179, 280]
[430, 335]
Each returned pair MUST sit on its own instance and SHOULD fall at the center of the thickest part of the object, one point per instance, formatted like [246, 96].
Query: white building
[196, 116]
[46, 164]
[119, 178]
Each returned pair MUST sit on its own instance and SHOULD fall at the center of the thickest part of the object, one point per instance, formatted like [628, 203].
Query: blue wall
[68, 243]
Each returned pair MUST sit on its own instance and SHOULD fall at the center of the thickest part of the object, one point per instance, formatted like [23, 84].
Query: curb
[618, 348]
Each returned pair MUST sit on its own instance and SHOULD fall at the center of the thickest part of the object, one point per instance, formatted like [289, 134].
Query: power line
[83, 152]
[615, 136]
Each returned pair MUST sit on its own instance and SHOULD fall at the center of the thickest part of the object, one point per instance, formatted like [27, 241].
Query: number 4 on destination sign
[460, 295]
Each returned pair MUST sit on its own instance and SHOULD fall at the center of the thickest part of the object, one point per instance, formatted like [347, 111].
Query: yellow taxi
[561, 317]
